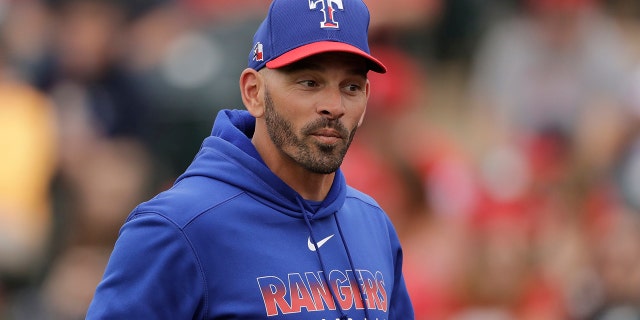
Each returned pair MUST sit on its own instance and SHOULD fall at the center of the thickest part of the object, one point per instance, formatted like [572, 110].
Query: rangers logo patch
[258, 53]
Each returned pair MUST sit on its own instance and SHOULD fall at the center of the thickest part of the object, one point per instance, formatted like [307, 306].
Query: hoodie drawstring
[343, 315]
[346, 248]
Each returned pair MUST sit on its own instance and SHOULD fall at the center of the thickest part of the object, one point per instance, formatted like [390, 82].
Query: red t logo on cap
[328, 8]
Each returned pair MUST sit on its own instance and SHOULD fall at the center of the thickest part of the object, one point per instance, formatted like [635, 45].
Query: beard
[311, 155]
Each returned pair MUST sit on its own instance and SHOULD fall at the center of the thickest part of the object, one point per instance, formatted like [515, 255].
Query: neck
[310, 185]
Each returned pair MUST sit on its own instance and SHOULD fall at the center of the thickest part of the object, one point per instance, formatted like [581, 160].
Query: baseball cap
[296, 29]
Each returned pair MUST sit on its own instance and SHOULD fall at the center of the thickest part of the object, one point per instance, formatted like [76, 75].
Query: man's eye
[354, 87]
[309, 83]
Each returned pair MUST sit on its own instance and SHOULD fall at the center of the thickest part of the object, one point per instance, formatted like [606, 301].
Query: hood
[229, 156]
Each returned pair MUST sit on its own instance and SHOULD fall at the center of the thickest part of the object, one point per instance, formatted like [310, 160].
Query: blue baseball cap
[296, 29]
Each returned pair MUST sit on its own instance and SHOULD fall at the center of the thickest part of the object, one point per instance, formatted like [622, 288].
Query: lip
[326, 132]
[327, 135]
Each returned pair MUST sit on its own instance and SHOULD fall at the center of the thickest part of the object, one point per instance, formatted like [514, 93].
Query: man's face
[313, 108]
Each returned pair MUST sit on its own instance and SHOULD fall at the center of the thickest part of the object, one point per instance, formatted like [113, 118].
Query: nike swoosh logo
[320, 243]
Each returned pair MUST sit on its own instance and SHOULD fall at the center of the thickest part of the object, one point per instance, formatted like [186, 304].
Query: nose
[332, 104]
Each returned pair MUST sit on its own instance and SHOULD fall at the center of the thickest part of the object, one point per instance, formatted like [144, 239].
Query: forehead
[351, 63]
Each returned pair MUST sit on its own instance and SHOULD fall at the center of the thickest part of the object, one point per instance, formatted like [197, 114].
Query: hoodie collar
[229, 156]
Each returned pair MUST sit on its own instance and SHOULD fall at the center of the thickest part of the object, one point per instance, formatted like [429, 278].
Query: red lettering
[319, 291]
[369, 288]
[312, 293]
[273, 291]
[300, 295]
[342, 288]
[356, 291]
[382, 291]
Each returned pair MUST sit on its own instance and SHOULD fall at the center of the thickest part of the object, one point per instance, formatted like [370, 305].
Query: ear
[251, 84]
[367, 90]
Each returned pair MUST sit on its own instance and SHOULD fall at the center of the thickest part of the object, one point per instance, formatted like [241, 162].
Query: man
[262, 224]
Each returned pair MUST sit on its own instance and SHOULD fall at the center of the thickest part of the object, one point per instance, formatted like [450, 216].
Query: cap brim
[321, 47]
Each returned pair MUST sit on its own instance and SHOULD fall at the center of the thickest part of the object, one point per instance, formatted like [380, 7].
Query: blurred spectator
[27, 32]
[103, 163]
[185, 56]
[102, 116]
[85, 71]
[28, 131]
[549, 66]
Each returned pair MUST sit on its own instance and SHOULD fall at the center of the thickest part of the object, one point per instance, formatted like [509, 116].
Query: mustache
[324, 123]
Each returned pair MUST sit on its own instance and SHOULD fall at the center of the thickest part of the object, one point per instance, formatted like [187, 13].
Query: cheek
[292, 106]
[294, 114]
[356, 112]
[361, 119]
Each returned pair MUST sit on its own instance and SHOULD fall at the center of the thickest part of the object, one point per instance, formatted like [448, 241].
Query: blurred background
[504, 143]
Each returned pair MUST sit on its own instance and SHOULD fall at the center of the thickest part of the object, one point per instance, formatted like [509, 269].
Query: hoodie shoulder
[353, 193]
[187, 199]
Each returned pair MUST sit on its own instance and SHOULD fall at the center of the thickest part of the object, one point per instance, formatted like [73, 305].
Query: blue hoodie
[231, 240]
